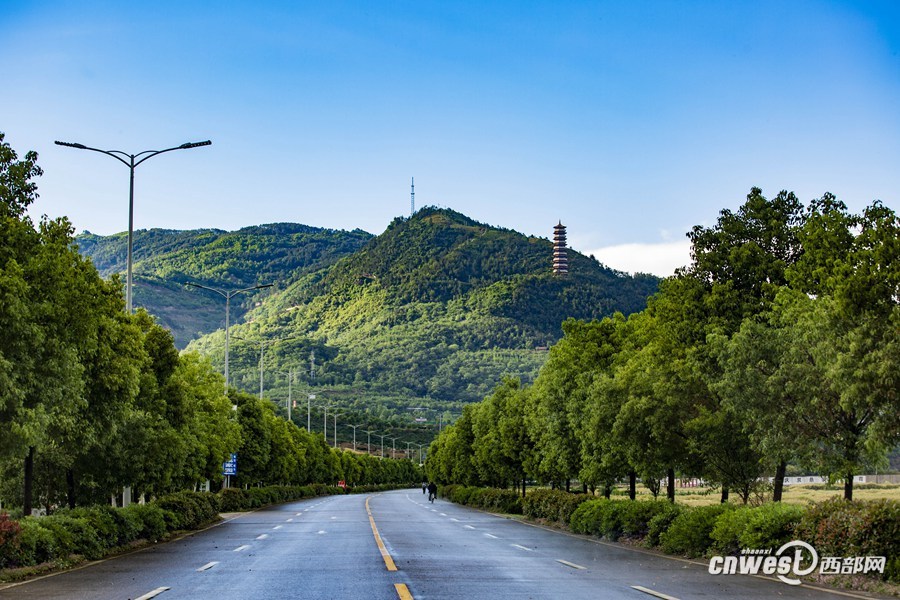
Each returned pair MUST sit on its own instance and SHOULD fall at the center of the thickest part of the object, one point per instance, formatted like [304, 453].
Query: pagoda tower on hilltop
[560, 258]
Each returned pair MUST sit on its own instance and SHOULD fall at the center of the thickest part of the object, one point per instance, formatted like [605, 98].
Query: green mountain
[413, 323]
[430, 314]
[164, 260]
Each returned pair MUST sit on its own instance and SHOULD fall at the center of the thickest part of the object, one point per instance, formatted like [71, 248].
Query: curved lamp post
[133, 161]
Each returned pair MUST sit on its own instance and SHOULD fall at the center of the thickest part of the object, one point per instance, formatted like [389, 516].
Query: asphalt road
[344, 547]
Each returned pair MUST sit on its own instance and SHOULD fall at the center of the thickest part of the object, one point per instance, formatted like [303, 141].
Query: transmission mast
[412, 197]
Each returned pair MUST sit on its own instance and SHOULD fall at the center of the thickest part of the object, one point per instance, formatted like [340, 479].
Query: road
[344, 547]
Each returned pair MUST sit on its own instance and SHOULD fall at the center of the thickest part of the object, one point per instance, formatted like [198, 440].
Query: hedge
[92, 532]
[690, 533]
[492, 499]
[614, 518]
[552, 505]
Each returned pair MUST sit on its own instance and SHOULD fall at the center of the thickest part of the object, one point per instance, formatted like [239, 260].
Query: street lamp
[354, 434]
[228, 296]
[382, 442]
[309, 399]
[290, 374]
[132, 163]
[369, 441]
[336, 413]
[394, 447]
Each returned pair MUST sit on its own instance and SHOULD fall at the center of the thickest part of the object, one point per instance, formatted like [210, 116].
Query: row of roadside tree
[779, 344]
[93, 400]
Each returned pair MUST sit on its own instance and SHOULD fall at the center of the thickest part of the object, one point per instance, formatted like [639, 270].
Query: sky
[629, 122]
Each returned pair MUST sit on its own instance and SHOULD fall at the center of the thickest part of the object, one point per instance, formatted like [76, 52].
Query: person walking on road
[432, 491]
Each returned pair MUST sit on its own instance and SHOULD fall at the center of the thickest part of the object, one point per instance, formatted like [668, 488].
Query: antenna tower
[412, 197]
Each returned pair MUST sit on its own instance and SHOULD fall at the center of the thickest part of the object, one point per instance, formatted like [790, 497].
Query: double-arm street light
[369, 441]
[228, 295]
[354, 434]
[133, 161]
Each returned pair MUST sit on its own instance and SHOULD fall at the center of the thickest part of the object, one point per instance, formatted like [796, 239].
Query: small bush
[837, 527]
[729, 527]
[552, 505]
[150, 518]
[588, 516]
[36, 544]
[690, 532]
[189, 510]
[660, 522]
[614, 518]
[9, 539]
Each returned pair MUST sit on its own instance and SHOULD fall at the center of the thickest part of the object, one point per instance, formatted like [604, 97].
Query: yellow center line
[388, 561]
[403, 591]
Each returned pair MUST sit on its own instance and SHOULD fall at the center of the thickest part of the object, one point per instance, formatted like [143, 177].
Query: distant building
[560, 258]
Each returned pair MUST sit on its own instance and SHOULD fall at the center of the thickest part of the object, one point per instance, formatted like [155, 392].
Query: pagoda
[560, 259]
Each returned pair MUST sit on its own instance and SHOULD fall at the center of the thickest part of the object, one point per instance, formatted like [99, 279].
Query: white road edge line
[277, 527]
[641, 588]
[521, 547]
[569, 564]
[291, 519]
[468, 527]
[241, 548]
[154, 593]
[443, 514]
[492, 536]
[208, 566]
[262, 537]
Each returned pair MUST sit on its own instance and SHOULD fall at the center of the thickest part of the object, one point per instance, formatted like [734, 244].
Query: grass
[794, 494]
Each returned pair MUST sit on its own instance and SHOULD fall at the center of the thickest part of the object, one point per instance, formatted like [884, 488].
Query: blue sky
[629, 121]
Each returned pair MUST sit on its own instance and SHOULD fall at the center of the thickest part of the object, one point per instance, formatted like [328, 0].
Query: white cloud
[659, 259]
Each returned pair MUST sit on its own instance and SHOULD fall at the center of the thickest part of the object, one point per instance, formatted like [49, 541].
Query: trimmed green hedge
[552, 505]
[614, 518]
[837, 527]
[92, 532]
[492, 499]
[690, 533]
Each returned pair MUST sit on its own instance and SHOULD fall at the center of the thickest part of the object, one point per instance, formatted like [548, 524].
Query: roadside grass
[794, 494]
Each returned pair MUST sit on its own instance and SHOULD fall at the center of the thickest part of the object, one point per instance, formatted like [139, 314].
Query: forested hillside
[164, 260]
[430, 314]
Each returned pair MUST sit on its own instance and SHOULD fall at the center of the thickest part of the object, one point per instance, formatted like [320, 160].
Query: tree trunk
[523, 486]
[632, 485]
[70, 487]
[29, 482]
[670, 487]
[568, 485]
[779, 481]
[848, 487]
[584, 488]
[724, 499]
[607, 490]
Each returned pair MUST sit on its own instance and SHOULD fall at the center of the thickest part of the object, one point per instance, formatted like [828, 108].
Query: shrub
[660, 522]
[36, 544]
[837, 527]
[689, 533]
[552, 505]
[587, 517]
[771, 525]
[189, 510]
[234, 499]
[9, 539]
[729, 527]
[504, 501]
[614, 518]
[150, 518]
[102, 520]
